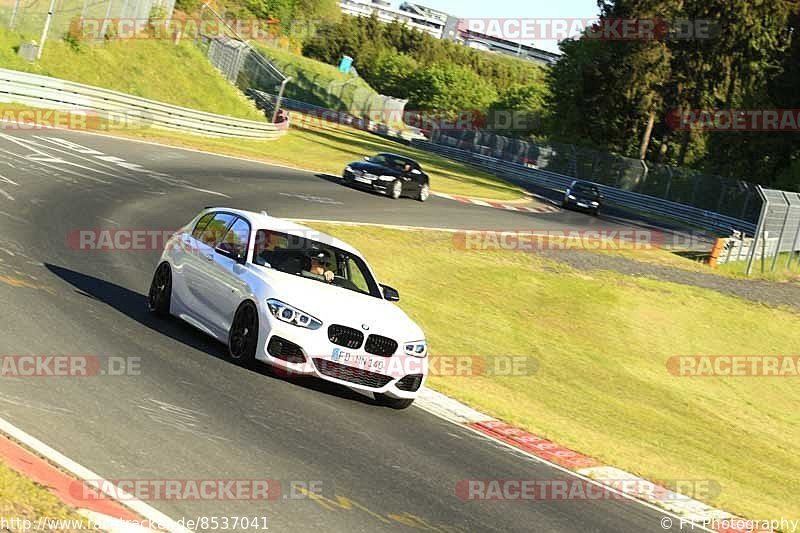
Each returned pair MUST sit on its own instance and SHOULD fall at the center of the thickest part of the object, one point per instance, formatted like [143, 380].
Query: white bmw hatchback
[295, 298]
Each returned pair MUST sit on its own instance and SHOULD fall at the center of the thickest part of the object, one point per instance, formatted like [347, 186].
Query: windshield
[386, 160]
[585, 188]
[299, 256]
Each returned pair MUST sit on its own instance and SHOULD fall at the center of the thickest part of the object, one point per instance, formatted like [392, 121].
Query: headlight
[416, 348]
[348, 168]
[571, 196]
[292, 315]
[387, 178]
[595, 203]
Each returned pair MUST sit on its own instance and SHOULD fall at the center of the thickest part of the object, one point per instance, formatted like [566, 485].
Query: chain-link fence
[28, 17]
[734, 198]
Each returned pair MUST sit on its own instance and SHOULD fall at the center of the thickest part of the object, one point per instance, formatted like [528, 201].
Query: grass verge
[601, 343]
[328, 149]
[149, 68]
[22, 499]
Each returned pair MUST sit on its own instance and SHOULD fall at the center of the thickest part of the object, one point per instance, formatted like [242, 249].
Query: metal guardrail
[625, 200]
[43, 91]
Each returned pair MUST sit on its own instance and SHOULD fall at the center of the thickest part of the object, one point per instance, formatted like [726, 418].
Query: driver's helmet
[323, 257]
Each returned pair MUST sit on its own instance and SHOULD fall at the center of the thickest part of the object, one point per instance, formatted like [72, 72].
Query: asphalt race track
[193, 415]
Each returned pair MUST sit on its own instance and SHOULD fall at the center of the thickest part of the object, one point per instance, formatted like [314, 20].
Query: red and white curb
[497, 205]
[59, 474]
[679, 506]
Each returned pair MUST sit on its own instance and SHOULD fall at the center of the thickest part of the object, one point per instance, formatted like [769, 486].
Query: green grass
[319, 83]
[328, 150]
[601, 342]
[154, 69]
[20, 498]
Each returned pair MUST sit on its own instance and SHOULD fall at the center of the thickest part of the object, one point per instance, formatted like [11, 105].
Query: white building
[443, 26]
[433, 25]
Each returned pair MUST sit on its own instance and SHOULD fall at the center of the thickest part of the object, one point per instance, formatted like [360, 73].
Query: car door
[183, 258]
[202, 275]
[230, 262]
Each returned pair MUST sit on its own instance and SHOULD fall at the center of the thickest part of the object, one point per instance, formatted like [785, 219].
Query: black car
[390, 174]
[583, 196]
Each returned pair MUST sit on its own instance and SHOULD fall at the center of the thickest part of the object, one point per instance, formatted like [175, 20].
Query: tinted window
[291, 254]
[236, 239]
[201, 225]
[215, 230]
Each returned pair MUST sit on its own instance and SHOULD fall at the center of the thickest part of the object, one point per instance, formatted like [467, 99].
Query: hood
[334, 305]
[372, 168]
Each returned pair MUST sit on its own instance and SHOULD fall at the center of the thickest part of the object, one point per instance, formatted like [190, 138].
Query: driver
[319, 265]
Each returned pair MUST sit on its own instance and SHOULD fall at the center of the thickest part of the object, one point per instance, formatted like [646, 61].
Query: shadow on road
[134, 306]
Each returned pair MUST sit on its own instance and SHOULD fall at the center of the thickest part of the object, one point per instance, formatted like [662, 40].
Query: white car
[295, 298]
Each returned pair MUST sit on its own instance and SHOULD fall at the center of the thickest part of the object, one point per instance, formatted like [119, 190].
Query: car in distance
[292, 297]
[390, 174]
[583, 196]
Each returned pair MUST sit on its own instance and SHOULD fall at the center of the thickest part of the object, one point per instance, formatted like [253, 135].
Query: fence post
[780, 235]
[759, 228]
[278, 100]
[13, 20]
[46, 28]
[668, 189]
[104, 28]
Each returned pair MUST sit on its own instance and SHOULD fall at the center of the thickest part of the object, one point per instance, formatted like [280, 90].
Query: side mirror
[366, 158]
[390, 294]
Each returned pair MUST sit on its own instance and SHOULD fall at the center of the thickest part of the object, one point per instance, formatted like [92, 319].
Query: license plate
[363, 180]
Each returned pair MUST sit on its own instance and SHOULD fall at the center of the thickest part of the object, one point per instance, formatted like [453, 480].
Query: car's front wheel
[160, 295]
[243, 336]
[394, 403]
[396, 190]
[424, 193]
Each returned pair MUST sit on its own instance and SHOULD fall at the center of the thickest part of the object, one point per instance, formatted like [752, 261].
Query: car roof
[264, 221]
[391, 154]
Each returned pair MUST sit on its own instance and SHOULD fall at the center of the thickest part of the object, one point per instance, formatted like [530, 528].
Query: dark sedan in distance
[390, 174]
[583, 196]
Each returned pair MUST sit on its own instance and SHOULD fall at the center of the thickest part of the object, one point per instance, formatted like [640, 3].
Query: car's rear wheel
[160, 295]
[424, 193]
[396, 190]
[394, 403]
[243, 336]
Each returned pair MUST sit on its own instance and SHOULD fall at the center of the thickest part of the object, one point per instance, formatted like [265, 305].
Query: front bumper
[376, 184]
[301, 352]
[581, 204]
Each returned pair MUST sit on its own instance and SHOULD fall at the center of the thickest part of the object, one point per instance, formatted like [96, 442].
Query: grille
[344, 336]
[384, 346]
[410, 383]
[352, 375]
[283, 349]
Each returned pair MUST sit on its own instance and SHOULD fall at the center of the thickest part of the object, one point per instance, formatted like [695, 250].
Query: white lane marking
[40, 156]
[312, 198]
[374, 225]
[178, 418]
[29, 404]
[90, 478]
[8, 180]
[4, 193]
